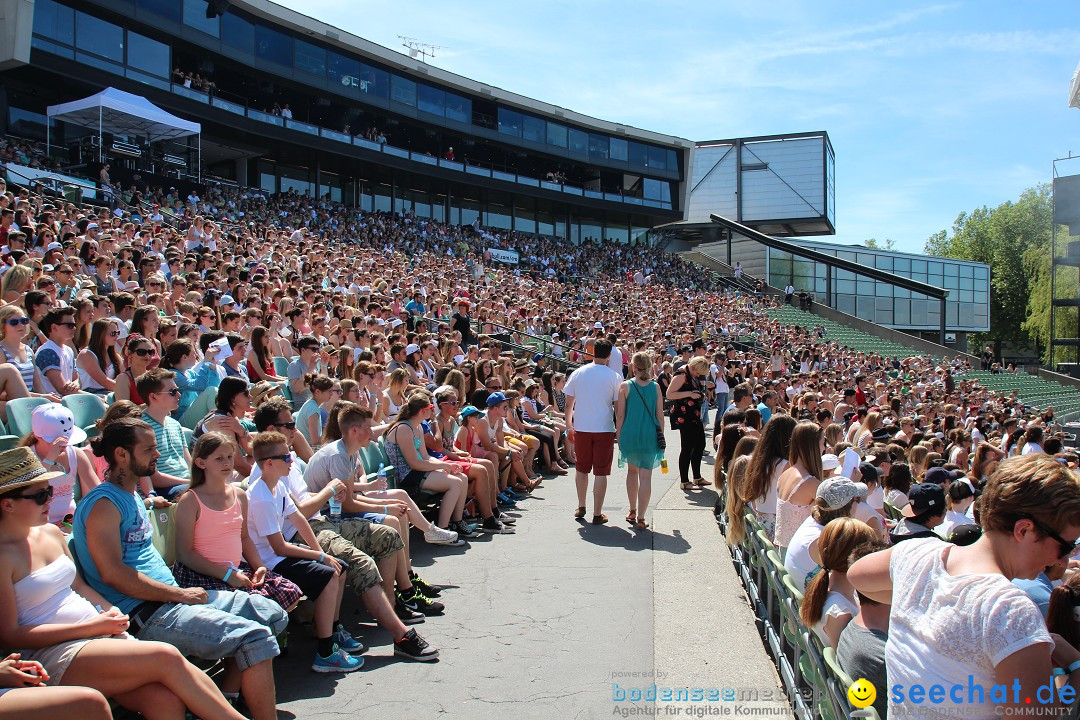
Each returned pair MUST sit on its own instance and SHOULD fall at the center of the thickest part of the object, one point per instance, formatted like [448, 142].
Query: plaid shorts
[277, 588]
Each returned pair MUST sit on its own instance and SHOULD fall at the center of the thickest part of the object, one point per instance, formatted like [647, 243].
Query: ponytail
[813, 604]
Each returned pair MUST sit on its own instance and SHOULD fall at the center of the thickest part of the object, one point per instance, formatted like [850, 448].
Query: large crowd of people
[300, 384]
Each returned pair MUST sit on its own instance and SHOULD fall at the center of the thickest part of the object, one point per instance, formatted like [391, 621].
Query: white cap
[92, 226]
[413, 348]
[52, 421]
[226, 300]
[53, 246]
[598, 325]
[396, 323]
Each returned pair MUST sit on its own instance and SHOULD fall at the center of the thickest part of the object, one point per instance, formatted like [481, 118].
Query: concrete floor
[545, 623]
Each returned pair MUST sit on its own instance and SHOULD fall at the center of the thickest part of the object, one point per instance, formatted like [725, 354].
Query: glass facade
[967, 307]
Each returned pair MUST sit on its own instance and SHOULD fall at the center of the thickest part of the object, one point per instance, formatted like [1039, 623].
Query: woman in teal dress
[639, 413]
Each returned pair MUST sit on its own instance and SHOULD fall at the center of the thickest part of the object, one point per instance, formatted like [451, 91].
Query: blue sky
[932, 108]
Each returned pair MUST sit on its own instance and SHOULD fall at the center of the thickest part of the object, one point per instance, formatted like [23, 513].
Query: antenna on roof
[419, 49]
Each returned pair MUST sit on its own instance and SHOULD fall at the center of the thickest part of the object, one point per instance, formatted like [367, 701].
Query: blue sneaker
[513, 494]
[347, 642]
[339, 661]
[505, 502]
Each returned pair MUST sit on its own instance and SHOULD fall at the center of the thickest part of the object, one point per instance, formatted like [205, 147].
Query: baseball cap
[868, 472]
[226, 300]
[940, 476]
[829, 462]
[52, 421]
[923, 497]
[412, 348]
[598, 326]
[495, 398]
[469, 410]
[92, 226]
[396, 322]
[836, 492]
[53, 246]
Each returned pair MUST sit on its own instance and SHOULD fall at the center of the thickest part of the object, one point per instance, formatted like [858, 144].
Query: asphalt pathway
[562, 618]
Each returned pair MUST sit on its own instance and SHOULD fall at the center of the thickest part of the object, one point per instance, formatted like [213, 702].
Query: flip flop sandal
[631, 518]
[642, 525]
[579, 513]
[599, 519]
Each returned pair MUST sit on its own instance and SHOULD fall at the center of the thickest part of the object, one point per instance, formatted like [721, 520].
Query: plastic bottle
[381, 478]
[622, 461]
[663, 466]
[335, 509]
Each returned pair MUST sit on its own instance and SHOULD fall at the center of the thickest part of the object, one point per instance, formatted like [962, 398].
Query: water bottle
[663, 466]
[335, 509]
[381, 478]
[622, 461]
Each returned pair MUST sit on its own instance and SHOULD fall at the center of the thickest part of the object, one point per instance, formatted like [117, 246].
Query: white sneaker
[437, 536]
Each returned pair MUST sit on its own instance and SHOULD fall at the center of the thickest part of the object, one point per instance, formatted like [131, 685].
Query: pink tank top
[790, 516]
[217, 533]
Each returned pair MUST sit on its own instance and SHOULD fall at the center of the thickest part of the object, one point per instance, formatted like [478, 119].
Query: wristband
[1067, 670]
[322, 556]
[385, 509]
[228, 574]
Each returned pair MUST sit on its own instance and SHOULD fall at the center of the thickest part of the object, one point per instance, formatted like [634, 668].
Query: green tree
[886, 244]
[1014, 240]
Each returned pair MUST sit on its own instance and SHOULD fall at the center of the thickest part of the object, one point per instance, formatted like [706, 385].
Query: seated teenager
[158, 387]
[320, 577]
[213, 548]
[140, 354]
[114, 541]
[55, 359]
[368, 548]
[53, 437]
[48, 612]
[830, 603]
[230, 417]
[312, 416]
[924, 512]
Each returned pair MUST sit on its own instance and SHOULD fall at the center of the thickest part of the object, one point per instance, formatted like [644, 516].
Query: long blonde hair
[835, 544]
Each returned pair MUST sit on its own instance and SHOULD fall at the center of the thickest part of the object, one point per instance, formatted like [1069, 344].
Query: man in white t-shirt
[591, 393]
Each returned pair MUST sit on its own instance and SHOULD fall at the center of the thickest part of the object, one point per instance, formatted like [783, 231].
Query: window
[54, 21]
[431, 100]
[344, 72]
[556, 134]
[458, 108]
[579, 144]
[147, 55]
[403, 90]
[598, 147]
[99, 37]
[672, 160]
[238, 33]
[657, 158]
[310, 58]
[638, 155]
[653, 189]
[510, 122]
[533, 129]
[169, 9]
[195, 17]
[374, 82]
[619, 149]
[273, 46]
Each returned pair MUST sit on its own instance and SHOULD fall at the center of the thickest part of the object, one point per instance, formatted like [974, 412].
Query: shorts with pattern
[359, 543]
[275, 587]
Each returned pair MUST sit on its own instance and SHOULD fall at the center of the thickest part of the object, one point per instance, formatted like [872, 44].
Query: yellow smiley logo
[862, 693]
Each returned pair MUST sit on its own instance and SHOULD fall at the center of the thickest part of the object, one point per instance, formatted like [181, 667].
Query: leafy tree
[886, 244]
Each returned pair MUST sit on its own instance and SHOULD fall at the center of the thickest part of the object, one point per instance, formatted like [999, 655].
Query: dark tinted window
[55, 21]
[510, 122]
[657, 158]
[458, 108]
[310, 58]
[430, 100]
[195, 17]
[579, 142]
[556, 134]
[169, 9]
[147, 55]
[533, 129]
[272, 46]
[598, 147]
[236, 32]
[374, 82]
[343, 71]
[619, 149]
[99, 37]
[403, 90]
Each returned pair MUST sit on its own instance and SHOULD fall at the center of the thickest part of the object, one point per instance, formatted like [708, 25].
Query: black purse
[661, 441]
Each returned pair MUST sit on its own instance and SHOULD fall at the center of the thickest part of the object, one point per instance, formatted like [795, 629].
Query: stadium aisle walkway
[541, 623]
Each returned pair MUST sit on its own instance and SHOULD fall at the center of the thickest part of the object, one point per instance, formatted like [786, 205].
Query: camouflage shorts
[359, 543]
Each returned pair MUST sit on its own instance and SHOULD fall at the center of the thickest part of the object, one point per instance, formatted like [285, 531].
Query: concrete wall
[895, 336]
[16, 25]
[1058, 377]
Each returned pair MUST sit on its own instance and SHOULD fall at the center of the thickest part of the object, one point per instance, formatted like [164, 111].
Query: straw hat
[20, 467]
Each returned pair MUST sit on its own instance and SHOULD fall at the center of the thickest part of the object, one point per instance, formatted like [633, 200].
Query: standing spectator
[591, 393]
[686, 392]
[639, 424]
[1029, 508]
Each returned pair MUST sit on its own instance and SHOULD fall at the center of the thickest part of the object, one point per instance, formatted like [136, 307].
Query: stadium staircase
[721, 271]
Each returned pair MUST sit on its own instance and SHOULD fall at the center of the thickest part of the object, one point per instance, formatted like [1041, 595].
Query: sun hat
[260, 391]
[469, 410]
[52, 420]
[20, 467]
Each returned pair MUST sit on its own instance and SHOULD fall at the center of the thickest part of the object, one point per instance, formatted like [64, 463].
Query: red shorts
[594, 452]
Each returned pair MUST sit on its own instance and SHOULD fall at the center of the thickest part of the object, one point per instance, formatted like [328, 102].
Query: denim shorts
[231, 624]
[374, 517]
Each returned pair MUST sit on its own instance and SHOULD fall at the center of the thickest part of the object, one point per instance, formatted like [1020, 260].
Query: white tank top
[45, 596]
[63, 500]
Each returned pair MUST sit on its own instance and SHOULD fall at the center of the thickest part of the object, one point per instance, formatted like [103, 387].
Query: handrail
[548, 341]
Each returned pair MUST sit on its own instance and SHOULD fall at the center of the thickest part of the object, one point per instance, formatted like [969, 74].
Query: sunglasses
[41, 497]
[114, 333]
[64, 272]
[67, 325]
[174, 392]
[283, 458]
[1065, 548]
[286, 425]
[15, 322]
[143, 352]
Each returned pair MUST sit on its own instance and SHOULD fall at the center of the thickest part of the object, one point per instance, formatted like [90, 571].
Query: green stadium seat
[19, 411]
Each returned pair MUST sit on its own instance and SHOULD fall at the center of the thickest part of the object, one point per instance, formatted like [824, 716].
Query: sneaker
[514, 494]
[464, 529]
[347, 642]
[437, 536]
[418, 603]
[339, 661]
[405, 614]
[494, 526]
[423, 586]
[505, 502]
[414, 647]
[504, 518]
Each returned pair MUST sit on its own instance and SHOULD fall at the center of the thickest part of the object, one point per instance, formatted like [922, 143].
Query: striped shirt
[171, 444]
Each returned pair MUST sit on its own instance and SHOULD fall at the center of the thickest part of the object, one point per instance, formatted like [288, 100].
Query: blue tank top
[136, 543]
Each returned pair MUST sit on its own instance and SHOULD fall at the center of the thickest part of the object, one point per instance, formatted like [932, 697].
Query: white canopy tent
[122, 113]
[1074, 89]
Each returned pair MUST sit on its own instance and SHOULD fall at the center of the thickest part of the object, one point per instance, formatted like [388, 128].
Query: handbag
[661, 441]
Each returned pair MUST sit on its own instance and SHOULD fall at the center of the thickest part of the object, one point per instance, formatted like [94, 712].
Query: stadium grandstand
[297, 328]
